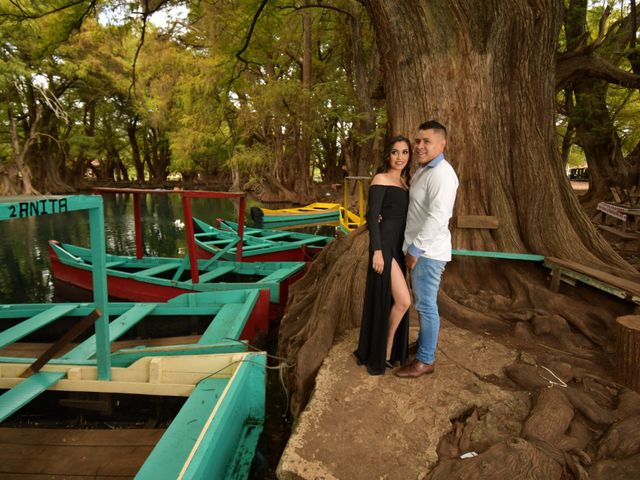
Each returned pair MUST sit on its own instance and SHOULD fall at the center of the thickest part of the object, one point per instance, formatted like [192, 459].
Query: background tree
[598, 43]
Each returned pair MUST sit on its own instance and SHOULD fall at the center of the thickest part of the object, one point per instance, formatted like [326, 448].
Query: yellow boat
[315, 213]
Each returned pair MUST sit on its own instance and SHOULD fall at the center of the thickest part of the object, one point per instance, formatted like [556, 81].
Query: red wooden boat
[157, 279]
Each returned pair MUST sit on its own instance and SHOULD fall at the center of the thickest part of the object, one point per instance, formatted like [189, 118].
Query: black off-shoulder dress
[390, 203]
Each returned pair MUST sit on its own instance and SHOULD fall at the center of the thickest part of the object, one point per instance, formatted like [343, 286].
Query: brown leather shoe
[415, 369]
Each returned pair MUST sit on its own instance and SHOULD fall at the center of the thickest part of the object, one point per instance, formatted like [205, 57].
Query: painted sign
[613, 210]
[36, 208]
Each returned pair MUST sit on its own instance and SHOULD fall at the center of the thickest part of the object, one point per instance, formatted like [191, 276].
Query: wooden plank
[117, 328]
[69, 336]
[75, 454]
[115, 263]
[477, 221]
[620, 287]
[228, 323]
[167, 458]
[32, 324]
[505, 255]
[620, 233]
[215, 273]
[78, 437]
[232, 430]
[615, 211]
[616, 195]
[21, 394]
[155, 270]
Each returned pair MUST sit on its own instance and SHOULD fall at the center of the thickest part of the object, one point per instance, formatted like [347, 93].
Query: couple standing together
[408, 230]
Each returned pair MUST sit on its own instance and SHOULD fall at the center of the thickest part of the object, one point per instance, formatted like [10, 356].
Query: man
[427, 239]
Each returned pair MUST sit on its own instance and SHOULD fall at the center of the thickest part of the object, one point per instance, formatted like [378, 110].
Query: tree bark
[20, 152]
[303, 178]
[486, 70]
[365, 80]
[583, 71]
[132, 129]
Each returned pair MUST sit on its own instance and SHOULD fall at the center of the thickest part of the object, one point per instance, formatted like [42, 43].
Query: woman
[384, 332]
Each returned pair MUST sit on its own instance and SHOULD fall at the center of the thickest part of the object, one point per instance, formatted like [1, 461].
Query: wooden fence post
[628, 351]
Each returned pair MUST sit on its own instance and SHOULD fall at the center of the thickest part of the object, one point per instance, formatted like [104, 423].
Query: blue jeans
[425, 282]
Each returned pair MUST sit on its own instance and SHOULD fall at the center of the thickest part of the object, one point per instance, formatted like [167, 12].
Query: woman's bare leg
[401, 303]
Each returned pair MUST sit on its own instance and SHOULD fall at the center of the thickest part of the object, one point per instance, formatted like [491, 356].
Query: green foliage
[248, 159]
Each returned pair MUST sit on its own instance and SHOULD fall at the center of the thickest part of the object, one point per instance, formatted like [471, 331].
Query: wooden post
[556, 275]
[628, 351]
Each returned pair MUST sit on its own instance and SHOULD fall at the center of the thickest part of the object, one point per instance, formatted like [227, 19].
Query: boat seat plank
[172, 451]
[228, 323]
[61, 453]
[114, 264]
[220, 242]
[117, 328]
[278, 276]
[215, 273]
[274, 235]
[13, 400]
[148, 272]
[24, 328]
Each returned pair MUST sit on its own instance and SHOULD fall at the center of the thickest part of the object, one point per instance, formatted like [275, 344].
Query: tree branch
[572, 67]
[25, 15]
[135, 57]
[250, 32]
[327, 7]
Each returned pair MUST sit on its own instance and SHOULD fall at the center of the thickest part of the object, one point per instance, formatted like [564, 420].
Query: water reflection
[24, 262]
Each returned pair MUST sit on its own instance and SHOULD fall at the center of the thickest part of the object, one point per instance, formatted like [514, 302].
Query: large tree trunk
[132, 129]
[485, 70]
[363, 154]
[303, 178]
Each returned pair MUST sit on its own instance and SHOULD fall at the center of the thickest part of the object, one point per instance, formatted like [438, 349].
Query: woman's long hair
[386, 157]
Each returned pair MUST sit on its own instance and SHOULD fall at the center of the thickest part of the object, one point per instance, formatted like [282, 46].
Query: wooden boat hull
[314, 212]
[124, 286]
[259, 245]
[214, 434]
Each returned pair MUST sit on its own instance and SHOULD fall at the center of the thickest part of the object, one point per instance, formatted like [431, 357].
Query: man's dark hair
[433, 125]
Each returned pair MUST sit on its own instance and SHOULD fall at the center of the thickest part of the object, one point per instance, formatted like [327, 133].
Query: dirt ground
[500, 405]
[358, 426]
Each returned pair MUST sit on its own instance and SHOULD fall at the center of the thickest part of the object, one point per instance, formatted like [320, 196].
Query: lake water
[25, 275]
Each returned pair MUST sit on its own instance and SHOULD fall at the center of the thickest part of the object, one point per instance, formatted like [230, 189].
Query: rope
[284, 363]
[551, 382]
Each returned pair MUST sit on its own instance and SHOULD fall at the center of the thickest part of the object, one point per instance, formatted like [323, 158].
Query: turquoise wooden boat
[213, 435]
[161, 278]
[259, 245]
[215, 431]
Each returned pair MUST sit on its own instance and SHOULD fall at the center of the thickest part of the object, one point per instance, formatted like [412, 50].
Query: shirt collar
[435, 161]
